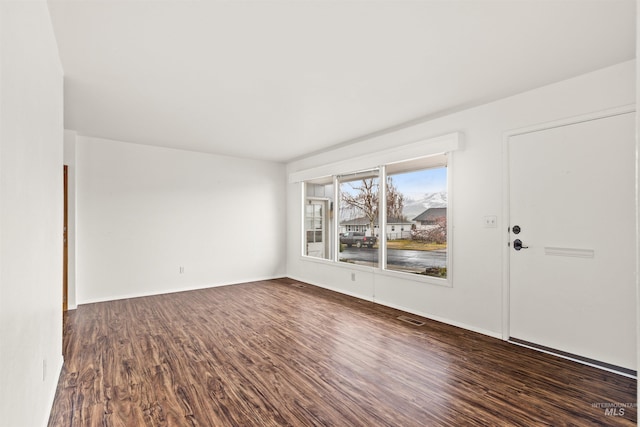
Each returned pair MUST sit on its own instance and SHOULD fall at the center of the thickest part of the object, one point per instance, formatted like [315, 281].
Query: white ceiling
[280, 79]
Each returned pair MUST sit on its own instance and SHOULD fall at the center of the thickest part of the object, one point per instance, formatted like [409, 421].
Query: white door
[572, 194]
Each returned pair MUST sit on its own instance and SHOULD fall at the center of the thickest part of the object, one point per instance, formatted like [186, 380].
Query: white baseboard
[444, 320]
[173, 290]
[340, 291]
[408, 310]
[320, 285]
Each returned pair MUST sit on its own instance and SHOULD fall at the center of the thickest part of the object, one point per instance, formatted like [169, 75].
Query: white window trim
[412, 151]
[382, 219]
[379, 160]
[382, 266]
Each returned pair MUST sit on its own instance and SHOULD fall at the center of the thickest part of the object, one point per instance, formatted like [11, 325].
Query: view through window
[358, 228]
[413, 231]
[417, 222]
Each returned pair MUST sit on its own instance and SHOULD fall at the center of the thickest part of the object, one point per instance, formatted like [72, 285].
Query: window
[358, 214]
[416, 196]
[393, 218]
[318, 217]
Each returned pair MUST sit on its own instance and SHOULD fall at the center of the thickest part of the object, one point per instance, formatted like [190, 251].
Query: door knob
[517, 245]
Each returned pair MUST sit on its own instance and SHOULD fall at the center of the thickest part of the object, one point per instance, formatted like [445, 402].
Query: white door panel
[572, 192]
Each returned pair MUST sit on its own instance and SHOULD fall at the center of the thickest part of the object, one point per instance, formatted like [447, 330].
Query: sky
[415, 185]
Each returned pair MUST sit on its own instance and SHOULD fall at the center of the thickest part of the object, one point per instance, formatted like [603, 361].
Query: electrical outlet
[44, 369]
[490, 221]
[353, 277]
[181, 269]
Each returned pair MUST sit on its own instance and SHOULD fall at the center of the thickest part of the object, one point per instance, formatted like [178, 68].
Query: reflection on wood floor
[274, 353]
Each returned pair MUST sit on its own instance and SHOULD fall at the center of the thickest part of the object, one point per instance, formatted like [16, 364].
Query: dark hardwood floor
[274, 354]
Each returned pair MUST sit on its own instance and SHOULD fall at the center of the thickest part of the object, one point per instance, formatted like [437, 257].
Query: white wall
[70, 161]
[143, 212]
[475, 299]
[638, 193]
[31, 109]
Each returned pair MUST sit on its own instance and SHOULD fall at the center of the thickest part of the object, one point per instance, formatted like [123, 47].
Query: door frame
[65, 241]
[506, 237]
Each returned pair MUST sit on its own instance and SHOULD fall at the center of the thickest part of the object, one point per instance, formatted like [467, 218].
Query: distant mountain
[414, 207]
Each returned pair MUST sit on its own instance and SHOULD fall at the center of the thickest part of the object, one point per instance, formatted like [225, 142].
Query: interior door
[572, 239]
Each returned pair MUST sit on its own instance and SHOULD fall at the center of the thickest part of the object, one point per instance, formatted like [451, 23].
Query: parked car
[357, 238]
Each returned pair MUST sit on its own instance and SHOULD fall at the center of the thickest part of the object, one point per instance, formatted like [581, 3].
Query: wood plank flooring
[274, 354]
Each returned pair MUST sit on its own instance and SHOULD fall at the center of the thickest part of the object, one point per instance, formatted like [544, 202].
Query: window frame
[328, 228]
[356, 228]
[381, 267]
[448, 281]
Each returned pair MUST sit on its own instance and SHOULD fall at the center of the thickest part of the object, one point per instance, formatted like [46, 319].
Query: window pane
[318, 216]
[417, 222]
[308, 217]
[358, 227]
[317, 223]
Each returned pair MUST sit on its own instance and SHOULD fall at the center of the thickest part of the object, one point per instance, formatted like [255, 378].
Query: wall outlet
[44, 369]
[353, 277]
[490, 221]
[181, 270]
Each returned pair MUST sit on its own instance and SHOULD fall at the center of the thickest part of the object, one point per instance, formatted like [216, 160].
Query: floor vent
[298, 285]
[414, 322]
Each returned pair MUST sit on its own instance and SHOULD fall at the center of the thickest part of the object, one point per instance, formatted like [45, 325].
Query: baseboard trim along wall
[174, 290]
[407, 310]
